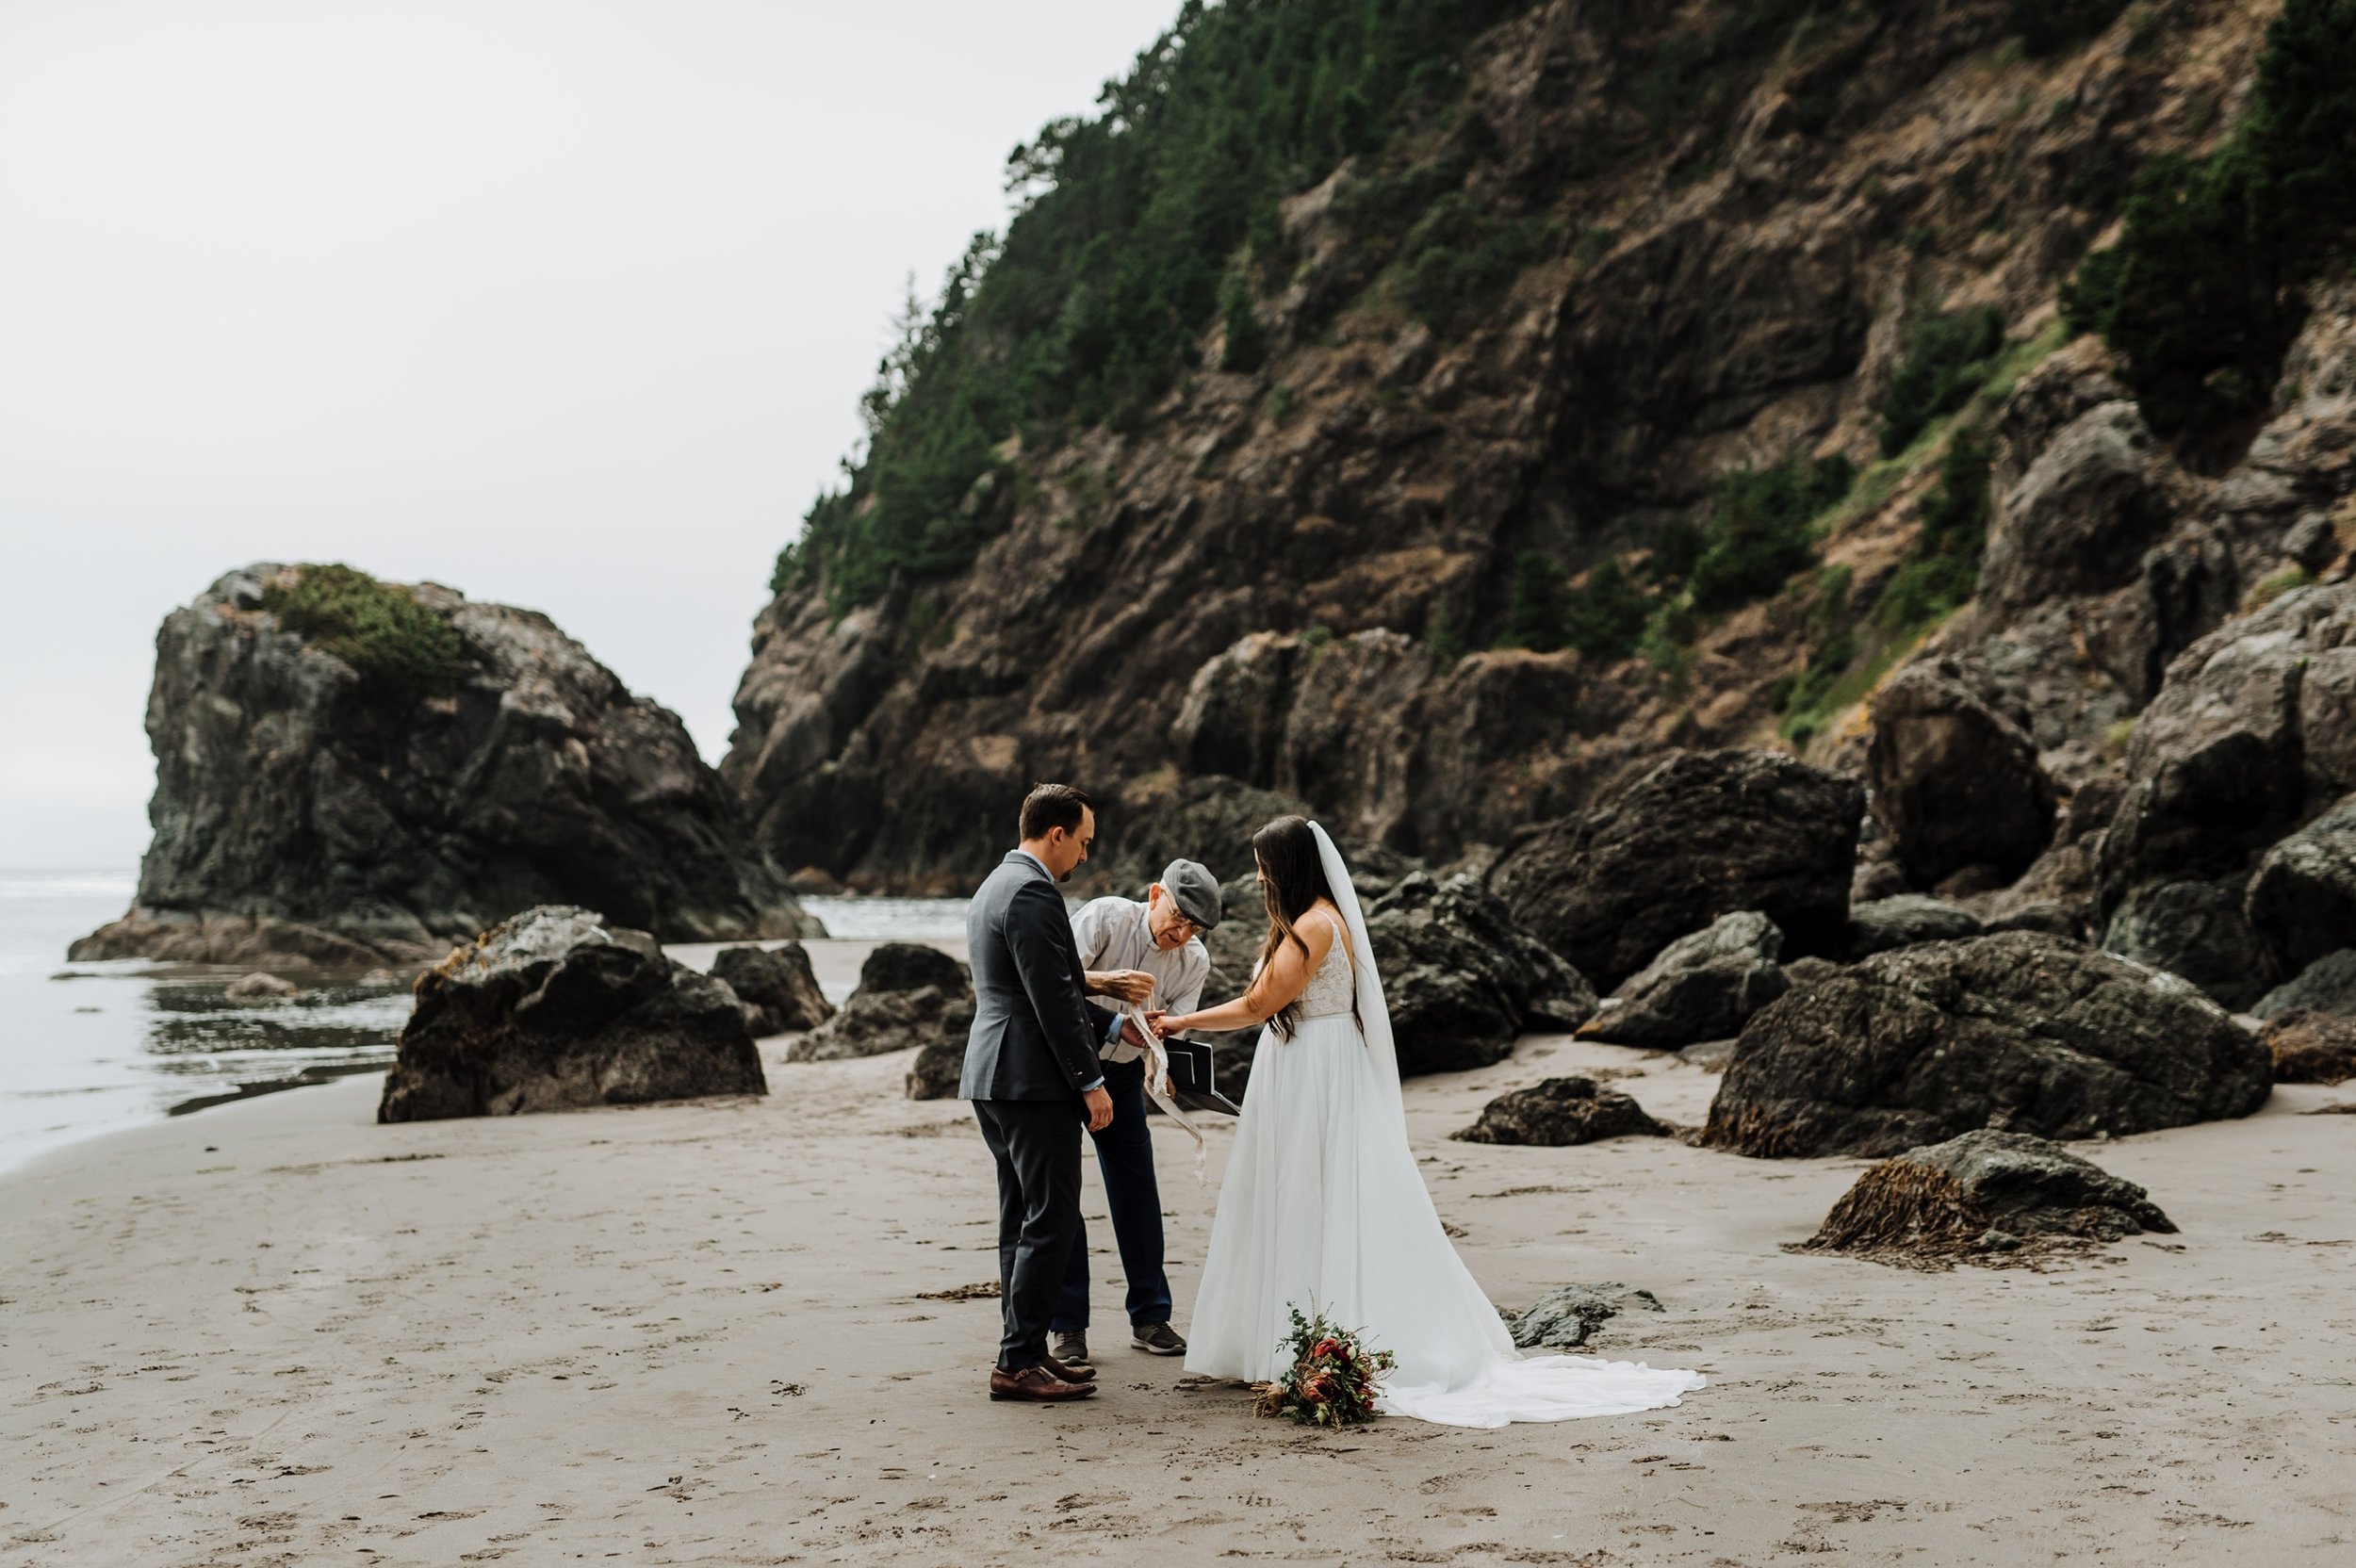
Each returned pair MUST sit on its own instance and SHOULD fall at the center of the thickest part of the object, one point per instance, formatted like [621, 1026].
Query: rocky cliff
[352, 772]
[1780, 347]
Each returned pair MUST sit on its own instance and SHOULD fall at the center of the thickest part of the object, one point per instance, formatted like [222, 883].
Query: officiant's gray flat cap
[1195, 890]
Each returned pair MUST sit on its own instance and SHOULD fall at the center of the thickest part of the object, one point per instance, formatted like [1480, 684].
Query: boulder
[2326, 986]
[187, 937]
[909, 995]
[1560, 1112]
[406, 769]
[1704, 987]
[2198, 930]
[2311, 1048]
[911, 966]
[2253, 732]
[1209, 818]
[939, 1069]
[1233, 943]
[556, 1009]
[1984, 1193]
[777, 986]
[1807, 971]
[1563, 1317]
[1710, 1055]
[1905, 920]
[2021, 1032]
[1699, 835]
[2055, 919]
[2078, 522]
[1954, 782]
[2302, 901]
[1463, 980]
[261, 988]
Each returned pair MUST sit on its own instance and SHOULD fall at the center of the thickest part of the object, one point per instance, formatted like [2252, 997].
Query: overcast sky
[566, 304]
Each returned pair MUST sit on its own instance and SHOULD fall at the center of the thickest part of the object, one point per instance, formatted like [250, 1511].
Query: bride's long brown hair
[1293, 876]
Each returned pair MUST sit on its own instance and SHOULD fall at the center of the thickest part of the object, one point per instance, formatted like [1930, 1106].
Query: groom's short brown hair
[1053, 806]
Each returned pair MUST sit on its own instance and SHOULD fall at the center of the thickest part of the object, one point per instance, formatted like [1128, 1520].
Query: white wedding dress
[1322, 1208]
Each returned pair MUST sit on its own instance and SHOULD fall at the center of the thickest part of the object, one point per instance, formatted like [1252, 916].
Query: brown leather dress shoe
[1035, 1382]
[1069, 1373]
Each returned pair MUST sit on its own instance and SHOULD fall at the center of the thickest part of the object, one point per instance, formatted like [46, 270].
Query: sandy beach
[711, 1333]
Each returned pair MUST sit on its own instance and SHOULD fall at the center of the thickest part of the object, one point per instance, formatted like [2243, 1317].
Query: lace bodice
[1331, 989]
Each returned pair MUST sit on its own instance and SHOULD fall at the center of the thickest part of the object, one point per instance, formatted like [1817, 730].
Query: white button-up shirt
[1113, 934]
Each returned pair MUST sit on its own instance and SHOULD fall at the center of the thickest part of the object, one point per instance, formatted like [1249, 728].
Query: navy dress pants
[1124, 1154]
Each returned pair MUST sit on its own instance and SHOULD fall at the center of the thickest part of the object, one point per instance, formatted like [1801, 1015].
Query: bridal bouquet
[1333, 1376]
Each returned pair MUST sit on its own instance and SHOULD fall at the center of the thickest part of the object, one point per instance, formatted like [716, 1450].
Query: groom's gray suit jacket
[1034, 1036]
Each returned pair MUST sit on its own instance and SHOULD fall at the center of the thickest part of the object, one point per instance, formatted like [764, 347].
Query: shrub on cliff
[2205, 290]
[379, 629]
[1458, 258]
[1948, 357]
[2049, 27]
[1757, 533]
[1943, 568]
[1117, 256]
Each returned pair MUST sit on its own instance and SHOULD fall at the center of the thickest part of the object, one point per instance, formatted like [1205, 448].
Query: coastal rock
[1905, 920]
[2311, 1048]
[2302, 901]
[777, 986]
[1563, 1317]
[1708, 1056]
[2326, 986]
[1701, 835]
[1209, 819]
[180, 937]
[370, 796]
[1560, 1112]
[1953, 781]
[1462, 978]
[1807, 971]
[557, 1008]
[1279, 581]
[261, 987]
[939, 1069]
[2019, 1032]
[1704, 987]
[2081, 517]
[2055, 919]
[2197, 930]
[2248, 735]
[909, 995]
[1984, 1192]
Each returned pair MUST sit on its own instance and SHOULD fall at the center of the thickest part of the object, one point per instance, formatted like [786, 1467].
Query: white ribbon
[1158, 1085]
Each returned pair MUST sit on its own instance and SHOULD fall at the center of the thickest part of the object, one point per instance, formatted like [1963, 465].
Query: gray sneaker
[1072, 1348]
[1156, 1339]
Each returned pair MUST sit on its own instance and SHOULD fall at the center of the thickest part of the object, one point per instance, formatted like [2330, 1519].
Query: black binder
[1192, 1088]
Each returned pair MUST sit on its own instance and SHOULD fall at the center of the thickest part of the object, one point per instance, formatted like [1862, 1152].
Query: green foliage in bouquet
[397, 645]
[1331, 1380]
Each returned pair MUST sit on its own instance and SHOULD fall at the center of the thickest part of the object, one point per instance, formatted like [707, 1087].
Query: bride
[1322, 1206]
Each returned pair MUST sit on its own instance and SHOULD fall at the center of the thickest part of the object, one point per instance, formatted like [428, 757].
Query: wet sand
[275, 1332]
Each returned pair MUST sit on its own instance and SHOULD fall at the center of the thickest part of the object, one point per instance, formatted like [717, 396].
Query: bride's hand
[1165, 1025]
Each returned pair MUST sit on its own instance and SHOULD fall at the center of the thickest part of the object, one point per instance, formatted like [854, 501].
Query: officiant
[1149, 954]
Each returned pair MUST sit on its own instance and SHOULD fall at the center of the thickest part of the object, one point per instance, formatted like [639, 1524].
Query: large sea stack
[353, 773]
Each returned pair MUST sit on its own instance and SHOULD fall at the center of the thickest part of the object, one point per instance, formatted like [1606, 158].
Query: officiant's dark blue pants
[1124, 1152]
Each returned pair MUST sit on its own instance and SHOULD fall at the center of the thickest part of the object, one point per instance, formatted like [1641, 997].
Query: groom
[1032, 1074]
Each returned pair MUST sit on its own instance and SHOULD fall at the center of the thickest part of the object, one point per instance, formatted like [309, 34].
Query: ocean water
[88, 1048]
